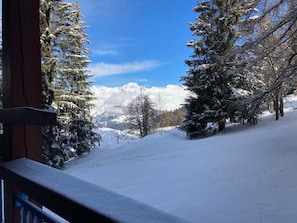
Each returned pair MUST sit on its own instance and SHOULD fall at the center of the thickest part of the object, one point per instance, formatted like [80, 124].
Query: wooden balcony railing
[71, 198]
[30, 212]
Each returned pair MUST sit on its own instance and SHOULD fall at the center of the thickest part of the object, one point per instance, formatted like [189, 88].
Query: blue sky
[139, 41]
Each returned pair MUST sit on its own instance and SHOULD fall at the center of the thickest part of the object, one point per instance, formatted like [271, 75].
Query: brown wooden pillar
[22, 91]
[21, 75]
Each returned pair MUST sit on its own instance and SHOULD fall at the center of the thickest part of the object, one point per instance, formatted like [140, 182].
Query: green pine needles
[66, 84]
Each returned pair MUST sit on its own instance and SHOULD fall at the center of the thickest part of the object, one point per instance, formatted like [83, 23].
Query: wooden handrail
[76, 200]
[29, 210]
[27, 116]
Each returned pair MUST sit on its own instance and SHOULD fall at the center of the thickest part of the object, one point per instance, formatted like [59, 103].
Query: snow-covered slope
[111, 137]
[111, 103]
[245, 174]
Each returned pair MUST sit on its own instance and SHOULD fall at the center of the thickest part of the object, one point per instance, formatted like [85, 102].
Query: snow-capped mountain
[111, 103]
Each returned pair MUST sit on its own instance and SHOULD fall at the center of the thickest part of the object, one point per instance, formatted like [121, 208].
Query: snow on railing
[71, 198]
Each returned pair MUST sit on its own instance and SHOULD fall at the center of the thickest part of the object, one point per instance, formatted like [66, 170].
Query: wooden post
[21, 85]
[21, 75]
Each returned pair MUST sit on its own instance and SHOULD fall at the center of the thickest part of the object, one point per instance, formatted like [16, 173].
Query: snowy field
[246, 174]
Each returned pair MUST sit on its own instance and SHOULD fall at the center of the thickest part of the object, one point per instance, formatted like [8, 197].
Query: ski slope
[242, 175]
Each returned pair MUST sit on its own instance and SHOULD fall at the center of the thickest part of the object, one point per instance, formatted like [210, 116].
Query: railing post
[8, 202]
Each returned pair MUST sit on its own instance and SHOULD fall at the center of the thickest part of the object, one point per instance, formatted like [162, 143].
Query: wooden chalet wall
[21, 75]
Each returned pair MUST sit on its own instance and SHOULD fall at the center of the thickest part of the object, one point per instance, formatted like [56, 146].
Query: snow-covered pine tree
[212, 76]
[66, 87]
[52, 152]
[73, 93]
[48, 59]
[74, 101]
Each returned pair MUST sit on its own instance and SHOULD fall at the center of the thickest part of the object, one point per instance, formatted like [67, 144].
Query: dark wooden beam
[27, 116]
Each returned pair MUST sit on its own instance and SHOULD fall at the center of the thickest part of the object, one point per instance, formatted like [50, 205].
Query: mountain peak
[112, 102]
[132, 86]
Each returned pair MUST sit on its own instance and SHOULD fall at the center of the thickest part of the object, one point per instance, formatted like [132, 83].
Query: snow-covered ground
[113, 137]
[246, 174]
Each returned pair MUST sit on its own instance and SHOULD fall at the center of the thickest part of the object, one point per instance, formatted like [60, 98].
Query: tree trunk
[222, 124]
[281, 106]
[270, 106]
[276, 106]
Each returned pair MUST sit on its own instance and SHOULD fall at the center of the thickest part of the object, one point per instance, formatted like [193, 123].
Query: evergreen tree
[74, 96]
[65, 73]
[213, 76]
[52, 153]
[48, 59]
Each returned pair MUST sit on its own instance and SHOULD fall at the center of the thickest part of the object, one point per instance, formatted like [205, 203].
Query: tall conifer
[69, 80]
[213, 77]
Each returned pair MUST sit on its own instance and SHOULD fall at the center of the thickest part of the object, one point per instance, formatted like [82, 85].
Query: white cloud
[106, 69]
[105, 52]
[112, 49]
[143, 80]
